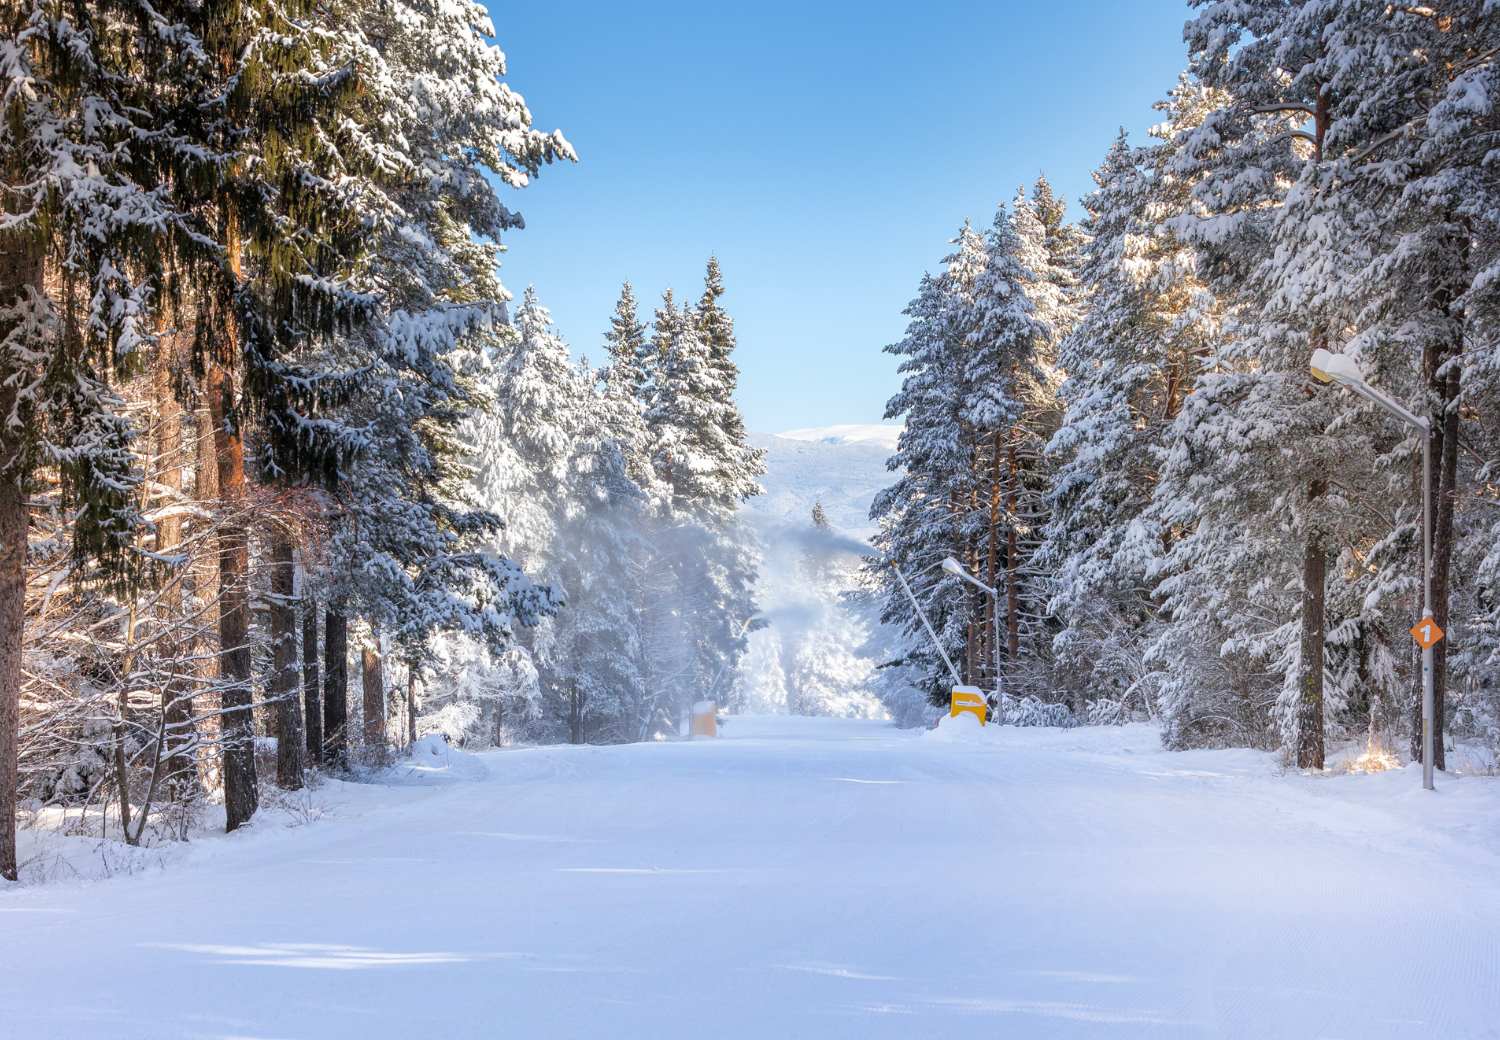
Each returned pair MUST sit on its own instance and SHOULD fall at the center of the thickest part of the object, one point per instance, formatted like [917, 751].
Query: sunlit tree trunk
[288, 706]
[335, 685]
[21, 265]
[312, 696]
[372, 677]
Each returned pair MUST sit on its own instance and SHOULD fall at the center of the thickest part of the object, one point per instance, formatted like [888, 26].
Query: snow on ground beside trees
[800, 877]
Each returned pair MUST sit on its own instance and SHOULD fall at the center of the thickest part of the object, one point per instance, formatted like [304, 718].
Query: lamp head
[1336, 368]
[1319, 365]
[952, 566]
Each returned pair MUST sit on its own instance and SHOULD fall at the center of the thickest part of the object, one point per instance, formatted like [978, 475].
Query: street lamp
[1344, 370]
[936, 642]
[955, 568]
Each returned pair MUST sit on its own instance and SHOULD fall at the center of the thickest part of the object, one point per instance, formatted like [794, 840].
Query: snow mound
[434, 760]
[963, 728]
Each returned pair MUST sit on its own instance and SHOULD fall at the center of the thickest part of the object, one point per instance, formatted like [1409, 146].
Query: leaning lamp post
[955, 568]
[917, 606]
[1329, 367]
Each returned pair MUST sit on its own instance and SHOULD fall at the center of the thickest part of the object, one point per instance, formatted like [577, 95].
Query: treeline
[262, 408]
[1114, 424]
[620, 489]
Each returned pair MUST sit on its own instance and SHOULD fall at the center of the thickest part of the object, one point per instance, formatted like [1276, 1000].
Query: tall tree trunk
[21, 267]
[1442, 380]
[288, 705]
[372, 679]
[993, 559]
[1012, 561]
[1309, 748]
[206, 588]
[177, 694]
[122, 767]
[312, 698]
[971, 652]
[13, 524]
[411, 705]
[335, 685]
[575, 715]
[238, 723]
[1442, 556]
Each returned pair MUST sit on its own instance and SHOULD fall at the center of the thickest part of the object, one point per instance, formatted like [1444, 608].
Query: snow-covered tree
[1008, 412]
[1148, 322]
[597, 677]
[1281, 216]
[920, 514]
[86, 133]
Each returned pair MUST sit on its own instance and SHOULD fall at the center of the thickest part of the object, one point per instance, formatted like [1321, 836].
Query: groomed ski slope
[800, 878]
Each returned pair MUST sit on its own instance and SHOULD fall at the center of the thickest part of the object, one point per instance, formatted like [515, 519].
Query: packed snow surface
[799, 878]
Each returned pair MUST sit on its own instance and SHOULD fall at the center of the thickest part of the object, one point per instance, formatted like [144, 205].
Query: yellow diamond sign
[1426, 633]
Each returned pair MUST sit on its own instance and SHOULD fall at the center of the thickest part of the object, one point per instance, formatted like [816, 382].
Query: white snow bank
[963, 728]
[434, 760]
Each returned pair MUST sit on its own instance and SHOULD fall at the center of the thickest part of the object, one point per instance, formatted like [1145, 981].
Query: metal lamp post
[936, 642]
[1344, 370]
[955, 568]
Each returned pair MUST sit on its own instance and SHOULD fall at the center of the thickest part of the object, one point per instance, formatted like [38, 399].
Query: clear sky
[825, 152]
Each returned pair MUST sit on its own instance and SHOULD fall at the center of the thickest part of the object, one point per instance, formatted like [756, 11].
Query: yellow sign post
[969, 699]
[1426, 633]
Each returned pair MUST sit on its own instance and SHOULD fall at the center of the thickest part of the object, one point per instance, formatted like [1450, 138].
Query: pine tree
[598, 675]
[629, 358]
[83, 248]
[1010, 381]
[1283, 224]
[920, 514]
[438, 119]
[1130, 363]
[700, 454]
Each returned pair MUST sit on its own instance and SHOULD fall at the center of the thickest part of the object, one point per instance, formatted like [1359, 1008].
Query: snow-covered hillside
[815, 656]
[881, 435]
[841, 466]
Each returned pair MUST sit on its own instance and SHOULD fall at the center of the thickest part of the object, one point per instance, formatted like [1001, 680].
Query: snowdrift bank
[61, 846]
[434, 761]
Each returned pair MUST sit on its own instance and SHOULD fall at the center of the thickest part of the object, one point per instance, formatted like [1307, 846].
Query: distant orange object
[969, 699]
[1426, 633]
[705, 719]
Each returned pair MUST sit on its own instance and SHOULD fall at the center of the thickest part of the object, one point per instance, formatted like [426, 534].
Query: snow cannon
[971, 700]
[705, 719]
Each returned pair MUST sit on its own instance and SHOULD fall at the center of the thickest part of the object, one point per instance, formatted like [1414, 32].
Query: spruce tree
[1131, 361]
[92, 126]
[921, 514]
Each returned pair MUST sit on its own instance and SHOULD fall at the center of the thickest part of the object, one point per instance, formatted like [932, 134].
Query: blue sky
[825, 153]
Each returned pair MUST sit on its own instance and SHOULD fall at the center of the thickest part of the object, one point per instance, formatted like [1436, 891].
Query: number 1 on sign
[1426, 633]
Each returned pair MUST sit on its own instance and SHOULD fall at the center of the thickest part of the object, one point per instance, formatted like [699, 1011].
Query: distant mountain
[856, 433]
[841, 466]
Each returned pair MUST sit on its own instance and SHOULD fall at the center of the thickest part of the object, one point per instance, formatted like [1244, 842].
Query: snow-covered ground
[799, 878]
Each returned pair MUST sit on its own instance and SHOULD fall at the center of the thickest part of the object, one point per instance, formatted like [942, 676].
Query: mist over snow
[818, 652]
